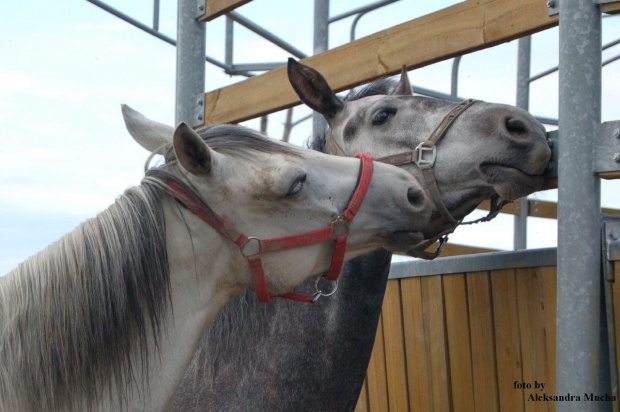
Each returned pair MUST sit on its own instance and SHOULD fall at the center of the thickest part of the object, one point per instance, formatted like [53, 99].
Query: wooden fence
[465, 342]
[478, 341]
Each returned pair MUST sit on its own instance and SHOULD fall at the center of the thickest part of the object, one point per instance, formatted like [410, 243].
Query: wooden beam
[456, 30]
[610, 175]
[539, 208]
[611, 8]
[453, 249]
[216, 8]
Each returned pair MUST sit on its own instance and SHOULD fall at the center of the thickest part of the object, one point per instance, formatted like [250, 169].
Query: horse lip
[505, 167]
[403, 240]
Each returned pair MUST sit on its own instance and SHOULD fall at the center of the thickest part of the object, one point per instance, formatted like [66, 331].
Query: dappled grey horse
[291, 357]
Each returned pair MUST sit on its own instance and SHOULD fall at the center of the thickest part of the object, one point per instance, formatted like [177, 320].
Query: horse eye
[297, 186]
[382, 116]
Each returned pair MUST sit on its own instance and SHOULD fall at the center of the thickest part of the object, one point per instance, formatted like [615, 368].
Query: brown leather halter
[252, 247]
[424, 156]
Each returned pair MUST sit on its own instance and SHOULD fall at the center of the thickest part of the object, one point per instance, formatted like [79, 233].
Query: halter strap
[252, 247]
[424, 156]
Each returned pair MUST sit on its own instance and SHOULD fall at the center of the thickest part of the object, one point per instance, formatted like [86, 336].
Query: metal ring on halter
[318, 292]
[255, 248]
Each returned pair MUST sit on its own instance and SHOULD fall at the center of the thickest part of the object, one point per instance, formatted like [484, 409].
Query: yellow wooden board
[216, 8]
[459, 29]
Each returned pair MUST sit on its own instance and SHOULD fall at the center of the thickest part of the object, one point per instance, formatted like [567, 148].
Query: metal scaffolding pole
[191, 55]
[523, 101]
[321, 43]
[579, 248]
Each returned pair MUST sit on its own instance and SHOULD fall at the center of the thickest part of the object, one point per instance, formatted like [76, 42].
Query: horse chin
[403, 241]
[509, 182]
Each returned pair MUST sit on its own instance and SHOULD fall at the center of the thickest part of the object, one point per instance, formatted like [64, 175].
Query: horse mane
[382, 86]
[74, 316]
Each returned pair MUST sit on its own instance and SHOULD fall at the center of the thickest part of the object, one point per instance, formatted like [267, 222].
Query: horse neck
[201, 267]
[87, 323]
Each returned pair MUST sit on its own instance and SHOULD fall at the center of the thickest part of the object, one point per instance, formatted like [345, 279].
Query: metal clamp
[612, 240]
[421, 149]
[341, 226]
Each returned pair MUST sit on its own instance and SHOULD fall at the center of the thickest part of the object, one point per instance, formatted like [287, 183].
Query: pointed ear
[192, 152]
[313, 90]
[151, 135]
[403, 88]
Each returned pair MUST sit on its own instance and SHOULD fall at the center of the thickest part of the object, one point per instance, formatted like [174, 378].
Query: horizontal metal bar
[610, 44]
[439, 95]
[547, 120]
[555, 69]
[152, 32]
[543, 74]
[610, 60]
[475, 263]
[255, 67]
[132, 21]
[250, 25]
[303, 119]
[363, 9]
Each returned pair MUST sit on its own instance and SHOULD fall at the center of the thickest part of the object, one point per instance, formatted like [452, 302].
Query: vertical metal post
[156, 15]
[523, 101]
[228, 53]
[578, 299]
[321, 43]
[191, 55]
[454, 84]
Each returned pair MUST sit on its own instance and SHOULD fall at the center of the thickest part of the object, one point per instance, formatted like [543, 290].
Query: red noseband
[252, 247]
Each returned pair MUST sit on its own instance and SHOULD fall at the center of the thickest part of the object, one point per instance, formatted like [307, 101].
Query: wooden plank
[533, 340]
[375, 376]
[616, 302]
[453, 249]
[362, 401]
[548, 312]
[459, 343]
[482, 332]
[394, 341]
[456, 30]
[610, 175]
[539, 208]
[507, 340]
[216, 8]
[611, 8]
[418, 362]
[435, 342]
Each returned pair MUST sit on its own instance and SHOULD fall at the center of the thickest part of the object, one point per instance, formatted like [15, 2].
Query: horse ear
[313, 90]
[192, 152]
[403, 88]
[151, 135]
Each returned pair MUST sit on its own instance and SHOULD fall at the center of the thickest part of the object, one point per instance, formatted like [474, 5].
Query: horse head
[273, 190]
[487, 150]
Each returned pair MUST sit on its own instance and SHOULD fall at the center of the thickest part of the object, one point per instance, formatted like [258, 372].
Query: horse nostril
[516, 127]
[416, 197]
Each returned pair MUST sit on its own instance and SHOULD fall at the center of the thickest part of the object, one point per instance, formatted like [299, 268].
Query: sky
[66, 67]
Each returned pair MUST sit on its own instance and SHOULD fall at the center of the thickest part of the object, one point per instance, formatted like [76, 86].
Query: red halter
[252, 247]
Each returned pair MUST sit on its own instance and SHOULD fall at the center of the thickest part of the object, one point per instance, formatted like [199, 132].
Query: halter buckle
[421, 160]
[252, 247]
[341, 226]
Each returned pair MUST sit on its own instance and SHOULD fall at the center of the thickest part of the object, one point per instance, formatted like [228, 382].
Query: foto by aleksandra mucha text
[537, 392]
